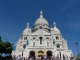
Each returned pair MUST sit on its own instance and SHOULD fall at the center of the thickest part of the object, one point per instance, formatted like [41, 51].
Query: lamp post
[77, 48]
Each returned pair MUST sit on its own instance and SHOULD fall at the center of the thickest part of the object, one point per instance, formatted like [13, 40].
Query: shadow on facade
[31, 53]
[49, 53]
[40, 53]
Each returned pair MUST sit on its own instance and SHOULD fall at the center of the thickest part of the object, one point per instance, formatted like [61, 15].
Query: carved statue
[53, 41]
[27, 42]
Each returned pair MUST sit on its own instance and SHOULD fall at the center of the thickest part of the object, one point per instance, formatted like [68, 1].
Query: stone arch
[40, 53]
[49, 53]
[32, 53]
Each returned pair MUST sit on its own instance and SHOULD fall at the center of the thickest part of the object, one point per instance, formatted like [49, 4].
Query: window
[58, 46]
[33, 38]
[33, 43]
[24, 46]
[47, 43]
[47, 38]
[25, 38]
[40, 40]
[57, 38]
[40, 27]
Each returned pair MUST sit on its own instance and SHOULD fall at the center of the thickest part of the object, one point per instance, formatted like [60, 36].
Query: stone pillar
[55, 51]
[36, 52]
[44, 51]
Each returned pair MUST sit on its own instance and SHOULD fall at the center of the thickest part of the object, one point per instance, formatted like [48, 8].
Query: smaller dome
[27, 30]
[56, 30]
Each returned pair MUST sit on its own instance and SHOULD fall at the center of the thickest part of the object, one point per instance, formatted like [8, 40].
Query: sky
[15, 14]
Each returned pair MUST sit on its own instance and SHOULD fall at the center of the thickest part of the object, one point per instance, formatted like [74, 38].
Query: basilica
[42, 40]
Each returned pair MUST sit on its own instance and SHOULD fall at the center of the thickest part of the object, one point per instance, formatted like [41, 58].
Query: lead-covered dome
[41, 20]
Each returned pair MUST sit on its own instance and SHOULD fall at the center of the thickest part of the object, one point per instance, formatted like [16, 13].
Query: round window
[58, 46]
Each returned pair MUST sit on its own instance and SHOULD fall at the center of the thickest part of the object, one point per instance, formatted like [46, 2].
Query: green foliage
[8, 47]
[1, 46]
[5, 47]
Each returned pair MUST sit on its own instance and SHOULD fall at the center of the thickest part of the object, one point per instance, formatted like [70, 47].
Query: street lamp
[77, 47]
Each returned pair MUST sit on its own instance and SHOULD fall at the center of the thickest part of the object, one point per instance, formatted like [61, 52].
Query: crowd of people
[33, 58]
[6, 57]
[40, 58]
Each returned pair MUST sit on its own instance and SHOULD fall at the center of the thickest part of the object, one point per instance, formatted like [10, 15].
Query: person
[26, 58]
[17, 58]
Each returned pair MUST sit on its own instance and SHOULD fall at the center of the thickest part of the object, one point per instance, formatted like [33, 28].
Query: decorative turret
[41, 20]
[26, 31]
[41, 14]
[27, 25]
[56, 30]
[54, 24]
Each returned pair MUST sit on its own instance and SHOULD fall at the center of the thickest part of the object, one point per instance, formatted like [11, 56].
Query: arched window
[24, 46]
[58, 45]
[25, 38]
[33, 38]
[40, 40]
[40, 27]
[47, 38]
[57, 38]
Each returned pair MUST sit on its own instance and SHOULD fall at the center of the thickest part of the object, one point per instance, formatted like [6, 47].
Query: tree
[8, 48]
[1, 46]
[5, 47]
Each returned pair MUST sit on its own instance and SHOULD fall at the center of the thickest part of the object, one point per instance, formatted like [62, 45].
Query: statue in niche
[27, 42]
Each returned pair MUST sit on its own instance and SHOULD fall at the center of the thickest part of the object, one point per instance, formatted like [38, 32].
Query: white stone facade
[42, 38]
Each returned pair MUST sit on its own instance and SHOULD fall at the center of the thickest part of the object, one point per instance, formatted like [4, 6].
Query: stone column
[44, 51]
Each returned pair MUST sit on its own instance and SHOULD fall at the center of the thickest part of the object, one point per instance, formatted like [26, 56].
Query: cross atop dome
[41, 13]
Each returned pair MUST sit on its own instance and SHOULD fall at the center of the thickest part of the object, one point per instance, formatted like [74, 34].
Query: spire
[27, 25]
[54, 24]
[41, 13]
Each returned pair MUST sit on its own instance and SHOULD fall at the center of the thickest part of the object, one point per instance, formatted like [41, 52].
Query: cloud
[63, 9]
[75, 26]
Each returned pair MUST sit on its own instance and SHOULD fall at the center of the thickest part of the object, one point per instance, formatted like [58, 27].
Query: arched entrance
[49, 53]
[31, 54]
[40, 53]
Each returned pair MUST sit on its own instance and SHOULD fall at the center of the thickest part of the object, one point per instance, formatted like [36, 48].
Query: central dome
[41, 20]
